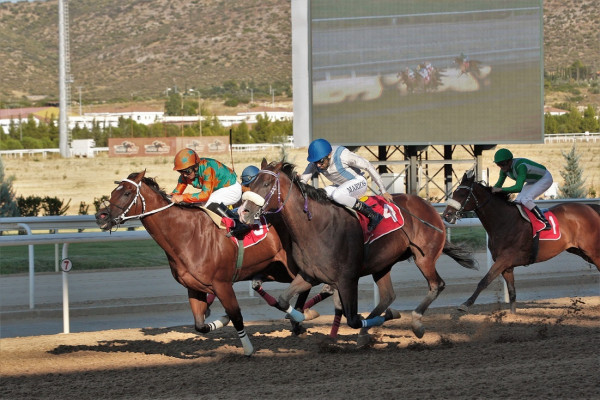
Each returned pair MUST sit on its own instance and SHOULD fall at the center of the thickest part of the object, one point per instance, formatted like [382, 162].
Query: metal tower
[64, 78]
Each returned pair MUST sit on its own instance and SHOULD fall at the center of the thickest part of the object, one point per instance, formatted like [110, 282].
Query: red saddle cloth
[392, 219]
[259, 231]
[537, 225]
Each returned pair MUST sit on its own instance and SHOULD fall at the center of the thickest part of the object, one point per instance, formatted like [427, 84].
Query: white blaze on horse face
[119, 187]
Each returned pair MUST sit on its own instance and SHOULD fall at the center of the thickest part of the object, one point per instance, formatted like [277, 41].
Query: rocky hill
[135, 49]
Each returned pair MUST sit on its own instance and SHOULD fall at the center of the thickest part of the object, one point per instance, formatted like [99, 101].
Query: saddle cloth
[392, 219]
[537, 225]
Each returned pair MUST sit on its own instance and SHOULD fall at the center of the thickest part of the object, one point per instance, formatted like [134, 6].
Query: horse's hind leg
[509, 277]
[436, 285]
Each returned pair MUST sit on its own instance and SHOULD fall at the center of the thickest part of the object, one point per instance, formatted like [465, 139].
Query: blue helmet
[249, 174]
[318, 149]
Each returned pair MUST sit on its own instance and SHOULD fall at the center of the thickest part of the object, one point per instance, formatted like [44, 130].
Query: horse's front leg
[498, 267]
[386, 298]
[298, 285]
[509, 277]
[199, 303]
[224, 291]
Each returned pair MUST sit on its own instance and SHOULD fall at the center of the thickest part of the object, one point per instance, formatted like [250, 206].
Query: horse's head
[123, 200]
[265, 194]
[462, 199]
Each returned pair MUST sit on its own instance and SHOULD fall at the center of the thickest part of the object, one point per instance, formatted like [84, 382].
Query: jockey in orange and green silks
[217, 183]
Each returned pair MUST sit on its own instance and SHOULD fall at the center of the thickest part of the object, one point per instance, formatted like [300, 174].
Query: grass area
[139, 254]
[471, 237]
[85, 256]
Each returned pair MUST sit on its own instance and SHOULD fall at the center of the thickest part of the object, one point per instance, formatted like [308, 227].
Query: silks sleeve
[520, 180]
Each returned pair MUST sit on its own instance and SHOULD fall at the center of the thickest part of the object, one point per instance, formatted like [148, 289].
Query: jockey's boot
[240, 229]
[374, 217]
[540, 215]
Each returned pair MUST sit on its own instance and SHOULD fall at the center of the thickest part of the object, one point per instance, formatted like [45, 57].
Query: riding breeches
[347, 193]
[228, 195]
[532, 191]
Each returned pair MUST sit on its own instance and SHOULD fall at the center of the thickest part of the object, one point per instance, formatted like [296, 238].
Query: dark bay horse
[469, 66]
[510, 236]
[201, 257]
[328, 243]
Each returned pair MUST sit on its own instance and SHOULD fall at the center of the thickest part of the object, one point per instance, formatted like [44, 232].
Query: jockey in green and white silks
[532, 180]
[343, 169]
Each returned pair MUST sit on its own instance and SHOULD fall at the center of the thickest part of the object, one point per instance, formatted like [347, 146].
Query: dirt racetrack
[550, 349]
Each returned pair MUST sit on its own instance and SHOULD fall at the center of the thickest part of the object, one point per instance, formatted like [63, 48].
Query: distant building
[554, 111]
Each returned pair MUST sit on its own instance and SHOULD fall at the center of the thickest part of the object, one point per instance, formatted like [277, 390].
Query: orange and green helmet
[185, 158]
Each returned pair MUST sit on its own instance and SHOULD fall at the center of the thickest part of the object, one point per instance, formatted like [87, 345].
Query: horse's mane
[317, 194]
[504, 196]
[152, 184]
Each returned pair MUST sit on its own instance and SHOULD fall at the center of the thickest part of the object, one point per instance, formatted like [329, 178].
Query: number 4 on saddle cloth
[392, 218]
[537, 225]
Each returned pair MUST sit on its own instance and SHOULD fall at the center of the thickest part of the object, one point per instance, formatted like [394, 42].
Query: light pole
[79, 88]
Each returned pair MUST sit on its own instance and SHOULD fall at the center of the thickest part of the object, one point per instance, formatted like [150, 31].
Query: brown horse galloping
[328, 243]
[510, 236]
[201, 257]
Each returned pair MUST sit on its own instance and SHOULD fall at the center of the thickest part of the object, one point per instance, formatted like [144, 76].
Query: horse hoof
[463, 308]
[364, 341]
[390, 313]
[310, 314]
[419, 331]
[299, 330]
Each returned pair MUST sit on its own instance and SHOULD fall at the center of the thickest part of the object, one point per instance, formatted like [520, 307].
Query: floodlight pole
[62, 82]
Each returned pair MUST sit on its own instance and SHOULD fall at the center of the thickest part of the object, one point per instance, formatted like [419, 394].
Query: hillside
[138, 48]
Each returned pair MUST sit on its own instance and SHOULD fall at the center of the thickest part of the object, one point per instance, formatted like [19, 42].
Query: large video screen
[421, 72]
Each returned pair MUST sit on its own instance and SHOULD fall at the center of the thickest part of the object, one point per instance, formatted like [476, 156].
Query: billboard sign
[419, 72]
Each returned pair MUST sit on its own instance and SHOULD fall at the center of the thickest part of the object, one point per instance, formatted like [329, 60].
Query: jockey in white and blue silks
[343, 169]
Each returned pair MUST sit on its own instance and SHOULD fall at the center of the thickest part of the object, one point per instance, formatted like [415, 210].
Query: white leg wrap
[248, 349]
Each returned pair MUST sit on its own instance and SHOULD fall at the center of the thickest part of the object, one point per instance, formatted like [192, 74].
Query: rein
[461, 206]
[122, 218]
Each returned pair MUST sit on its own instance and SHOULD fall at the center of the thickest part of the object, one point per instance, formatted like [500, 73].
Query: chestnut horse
[510, 236]
[201, 257]
[328, 243]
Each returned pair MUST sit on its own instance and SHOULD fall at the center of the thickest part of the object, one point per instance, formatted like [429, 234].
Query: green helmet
[502, 155]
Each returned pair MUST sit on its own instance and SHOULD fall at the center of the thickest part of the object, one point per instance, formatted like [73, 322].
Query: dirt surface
[549, 349]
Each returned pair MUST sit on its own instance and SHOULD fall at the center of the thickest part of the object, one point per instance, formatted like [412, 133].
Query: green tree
[572, 174]
[8, 204]
[173, 106]
[572, 121]
[590, 122]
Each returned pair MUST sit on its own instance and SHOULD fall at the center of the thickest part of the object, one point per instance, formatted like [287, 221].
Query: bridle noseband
[275, 188]
[138, 194]
[460, 207]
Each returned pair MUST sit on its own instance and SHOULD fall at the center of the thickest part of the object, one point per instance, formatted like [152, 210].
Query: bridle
[276, 188]
[460, 207]
[123, 217]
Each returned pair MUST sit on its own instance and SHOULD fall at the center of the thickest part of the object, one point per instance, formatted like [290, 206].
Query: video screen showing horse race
[426, 72]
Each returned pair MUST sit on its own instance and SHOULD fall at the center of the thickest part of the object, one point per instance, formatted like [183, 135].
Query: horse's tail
[461, 255]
